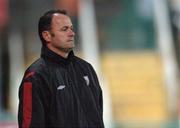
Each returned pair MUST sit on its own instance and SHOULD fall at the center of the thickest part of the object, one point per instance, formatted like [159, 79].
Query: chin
[71, 46]
[67, 50]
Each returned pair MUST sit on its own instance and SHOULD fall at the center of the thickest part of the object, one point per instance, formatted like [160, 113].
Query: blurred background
[134, 45]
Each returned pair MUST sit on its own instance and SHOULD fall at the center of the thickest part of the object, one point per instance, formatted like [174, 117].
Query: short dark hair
[45, 22]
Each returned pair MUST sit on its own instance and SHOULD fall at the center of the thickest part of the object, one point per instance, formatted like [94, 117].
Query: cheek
[63, 38]
[60, 40]
[60, 36]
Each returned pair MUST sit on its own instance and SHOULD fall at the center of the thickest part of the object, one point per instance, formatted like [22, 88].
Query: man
[59, 89]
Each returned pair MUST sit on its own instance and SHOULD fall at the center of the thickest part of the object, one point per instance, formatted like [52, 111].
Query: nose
[71, 32]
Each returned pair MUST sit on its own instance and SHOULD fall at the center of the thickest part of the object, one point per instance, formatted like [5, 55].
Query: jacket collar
[47, 53]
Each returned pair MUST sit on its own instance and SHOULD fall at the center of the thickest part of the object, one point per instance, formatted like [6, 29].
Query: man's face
[61, 33]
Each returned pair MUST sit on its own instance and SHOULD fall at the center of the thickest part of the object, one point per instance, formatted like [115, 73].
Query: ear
[46, 35]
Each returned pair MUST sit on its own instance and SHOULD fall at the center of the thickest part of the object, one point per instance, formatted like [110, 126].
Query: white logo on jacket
[60, 87]
[86, 78]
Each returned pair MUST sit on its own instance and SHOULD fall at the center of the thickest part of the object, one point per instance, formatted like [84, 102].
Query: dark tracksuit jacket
[60, 93]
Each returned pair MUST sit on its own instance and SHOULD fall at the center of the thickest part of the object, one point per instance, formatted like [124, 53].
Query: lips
[70, 40]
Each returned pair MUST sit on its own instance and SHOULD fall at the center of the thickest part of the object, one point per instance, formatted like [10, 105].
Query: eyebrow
[67, 27]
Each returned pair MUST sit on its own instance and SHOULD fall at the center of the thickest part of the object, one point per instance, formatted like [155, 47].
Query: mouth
[70, 40]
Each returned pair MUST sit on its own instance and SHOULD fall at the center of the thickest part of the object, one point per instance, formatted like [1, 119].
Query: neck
[62, 52]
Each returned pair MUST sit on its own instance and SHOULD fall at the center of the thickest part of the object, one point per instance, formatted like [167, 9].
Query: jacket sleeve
[100, 95]
[101, 102]
[31, 109]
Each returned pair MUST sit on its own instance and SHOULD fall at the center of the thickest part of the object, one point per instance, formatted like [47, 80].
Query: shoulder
[81, 61]
[38, 67]
[35, 76]
[84, 64]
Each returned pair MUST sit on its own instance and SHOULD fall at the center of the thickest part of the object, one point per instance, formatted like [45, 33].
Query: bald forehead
[60, 17]
[61, 20]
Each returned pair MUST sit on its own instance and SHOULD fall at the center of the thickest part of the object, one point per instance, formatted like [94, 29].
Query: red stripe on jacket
[27, 104]
[29, 74]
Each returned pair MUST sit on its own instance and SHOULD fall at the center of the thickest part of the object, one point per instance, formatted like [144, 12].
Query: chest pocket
[63, 90]
[64, 100]
[64, 93]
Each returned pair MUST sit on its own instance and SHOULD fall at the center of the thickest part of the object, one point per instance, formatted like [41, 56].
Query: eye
[72, 28]
[64, 28]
